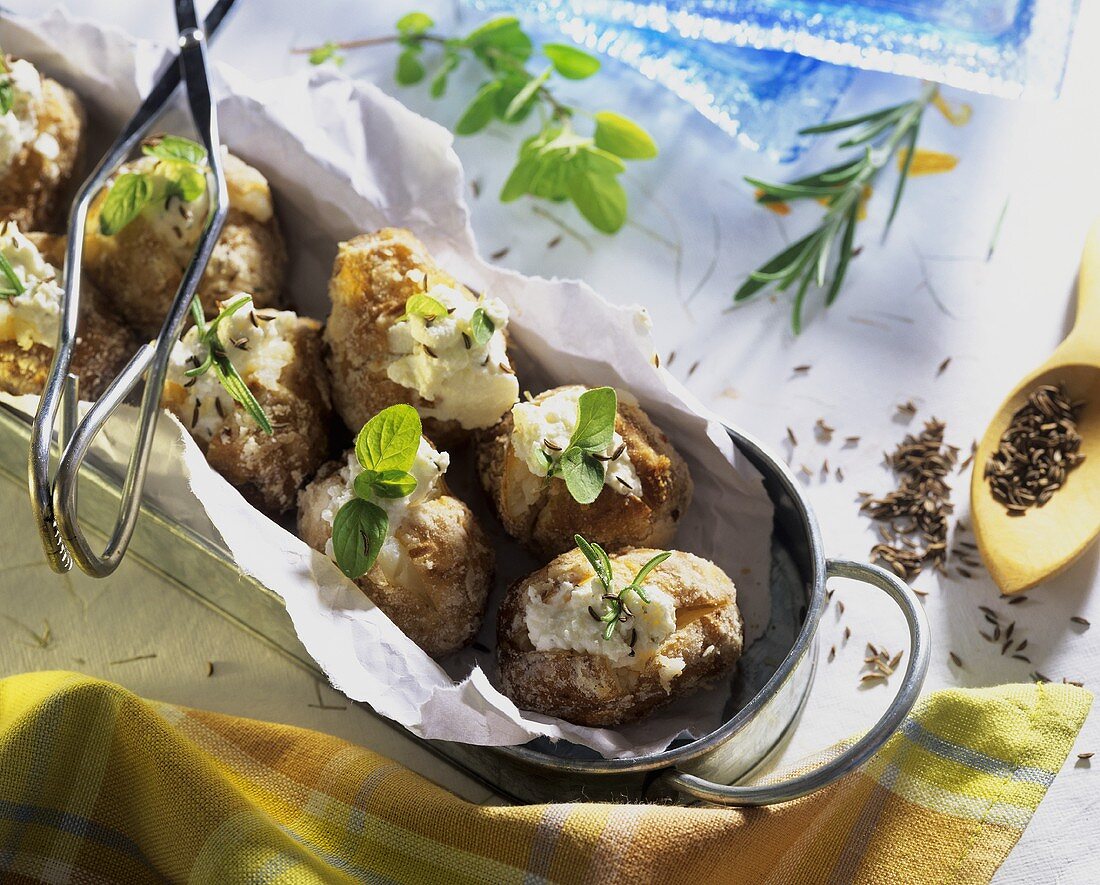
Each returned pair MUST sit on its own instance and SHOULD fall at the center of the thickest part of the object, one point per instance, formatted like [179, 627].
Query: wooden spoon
[1022, 551]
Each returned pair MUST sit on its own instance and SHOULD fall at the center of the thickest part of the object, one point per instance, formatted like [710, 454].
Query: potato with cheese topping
[41, 147]
[563, 652]
[643, 484]
[277, 355]
[30, 314]
[402, 330]
[433, 566]
[137, 258]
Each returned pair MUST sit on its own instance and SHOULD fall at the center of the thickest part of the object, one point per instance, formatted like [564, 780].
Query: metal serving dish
[768, 694]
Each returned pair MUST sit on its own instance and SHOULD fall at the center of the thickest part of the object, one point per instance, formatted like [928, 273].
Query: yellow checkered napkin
[98, 785]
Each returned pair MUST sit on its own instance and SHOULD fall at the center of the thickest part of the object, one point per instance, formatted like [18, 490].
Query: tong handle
[55, 504]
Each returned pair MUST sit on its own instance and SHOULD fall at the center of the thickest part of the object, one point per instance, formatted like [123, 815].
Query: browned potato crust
[270, 470]
[103, 343]
[440, 602]
[586, 688]
[614, 521]
[34, 192]
[369, 288]
[139, 272]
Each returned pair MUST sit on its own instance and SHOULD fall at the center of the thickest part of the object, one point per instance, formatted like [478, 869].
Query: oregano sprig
[386, 449]
[582, 464]
[180, 171]
[615, 608]
[821, 258]
[557, 163]
[218, 360]
[481, 325]
[7, 88]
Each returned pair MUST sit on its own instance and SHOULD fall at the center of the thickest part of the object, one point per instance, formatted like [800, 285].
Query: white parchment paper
[344, 158]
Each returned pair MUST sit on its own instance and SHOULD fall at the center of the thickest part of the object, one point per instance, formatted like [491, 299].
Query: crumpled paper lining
[344, 158]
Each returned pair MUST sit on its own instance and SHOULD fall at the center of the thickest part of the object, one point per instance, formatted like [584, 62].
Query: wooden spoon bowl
[1022, 551]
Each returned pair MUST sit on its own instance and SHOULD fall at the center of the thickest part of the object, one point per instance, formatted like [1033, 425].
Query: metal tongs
[54, 500]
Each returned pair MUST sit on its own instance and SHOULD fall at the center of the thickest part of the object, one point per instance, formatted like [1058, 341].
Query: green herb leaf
[498, 41]
[234, 385]
[583, 475]
[410, 69]
[421, 305]
[390, 484]
[390, 440]
[414, 23]
[571, 62]
[326, 52]
[480, 111]
[175, 147]
[129, 194]
[189, 182]
[597, 557]
[600, 198]
[644, 571]
[439, 81]
[481, 327]
[519, 181]
[623, 137]
[7, 94]
[17, 287]
[595, 428]
[526, 96]
[836, 125]
[358, 532]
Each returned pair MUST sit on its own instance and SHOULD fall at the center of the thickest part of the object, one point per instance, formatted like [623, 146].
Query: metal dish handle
[866, 746]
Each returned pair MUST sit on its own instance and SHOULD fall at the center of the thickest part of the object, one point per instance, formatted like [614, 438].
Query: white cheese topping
[19, 126]
[563, 622]
[179, 222]
[258, 343]
[428, 468]
[464, 382]
[32, 317]
[546, 425]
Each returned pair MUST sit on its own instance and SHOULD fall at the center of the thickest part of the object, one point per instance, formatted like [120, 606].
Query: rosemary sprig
[218, 360]
[11, 286]
[615, 609]
[558, 163]
[821, 258]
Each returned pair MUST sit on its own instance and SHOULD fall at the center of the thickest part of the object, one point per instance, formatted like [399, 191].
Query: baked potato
[278, 356]
[453, 367]
[554, 657]
[29, 321]
[647, 486]
[41, 148]
[139, 267]
[435, 567]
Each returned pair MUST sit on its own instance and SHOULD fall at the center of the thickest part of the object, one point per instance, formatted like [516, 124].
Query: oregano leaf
[478, 112]
[481, 327]
[595, 427]
[129, 194]
[389, 440]
[571, 62]
[358, 532]
[583, 475]
[623, 137]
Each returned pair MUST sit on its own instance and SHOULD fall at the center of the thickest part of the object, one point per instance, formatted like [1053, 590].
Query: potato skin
[34, 192]
[140, 273]
[586, 688]
[369, 288]
[103, 343]
[270, 470]
[452, 563]
[614, 521]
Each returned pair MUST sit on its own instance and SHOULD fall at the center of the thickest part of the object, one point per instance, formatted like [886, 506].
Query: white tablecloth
[927, 294]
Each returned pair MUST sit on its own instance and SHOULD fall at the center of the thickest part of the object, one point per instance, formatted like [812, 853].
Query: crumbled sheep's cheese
[563, 622]
[461, 381]
[32, 317]
[258, 343]
[545, 427]
[19, 126]
[428, 469]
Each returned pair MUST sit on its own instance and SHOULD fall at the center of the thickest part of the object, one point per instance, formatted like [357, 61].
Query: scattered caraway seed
[1071, 682]
[1077, 619]
[832, 652]
[907, 408]
[840, 606]
[847, 633]
[692, 368]
[943, 367]
[918, 509]
[1024, 658]
[792, 437]
[209, 668]
[801, 370]
[1085, 756]
[955, 659]
[501, 253]
[1036, 676]
[839, 475]
[851, 440]
[134, 658]
[554, 242]
[1037, 451]
[1016, 600]
[475, 188]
